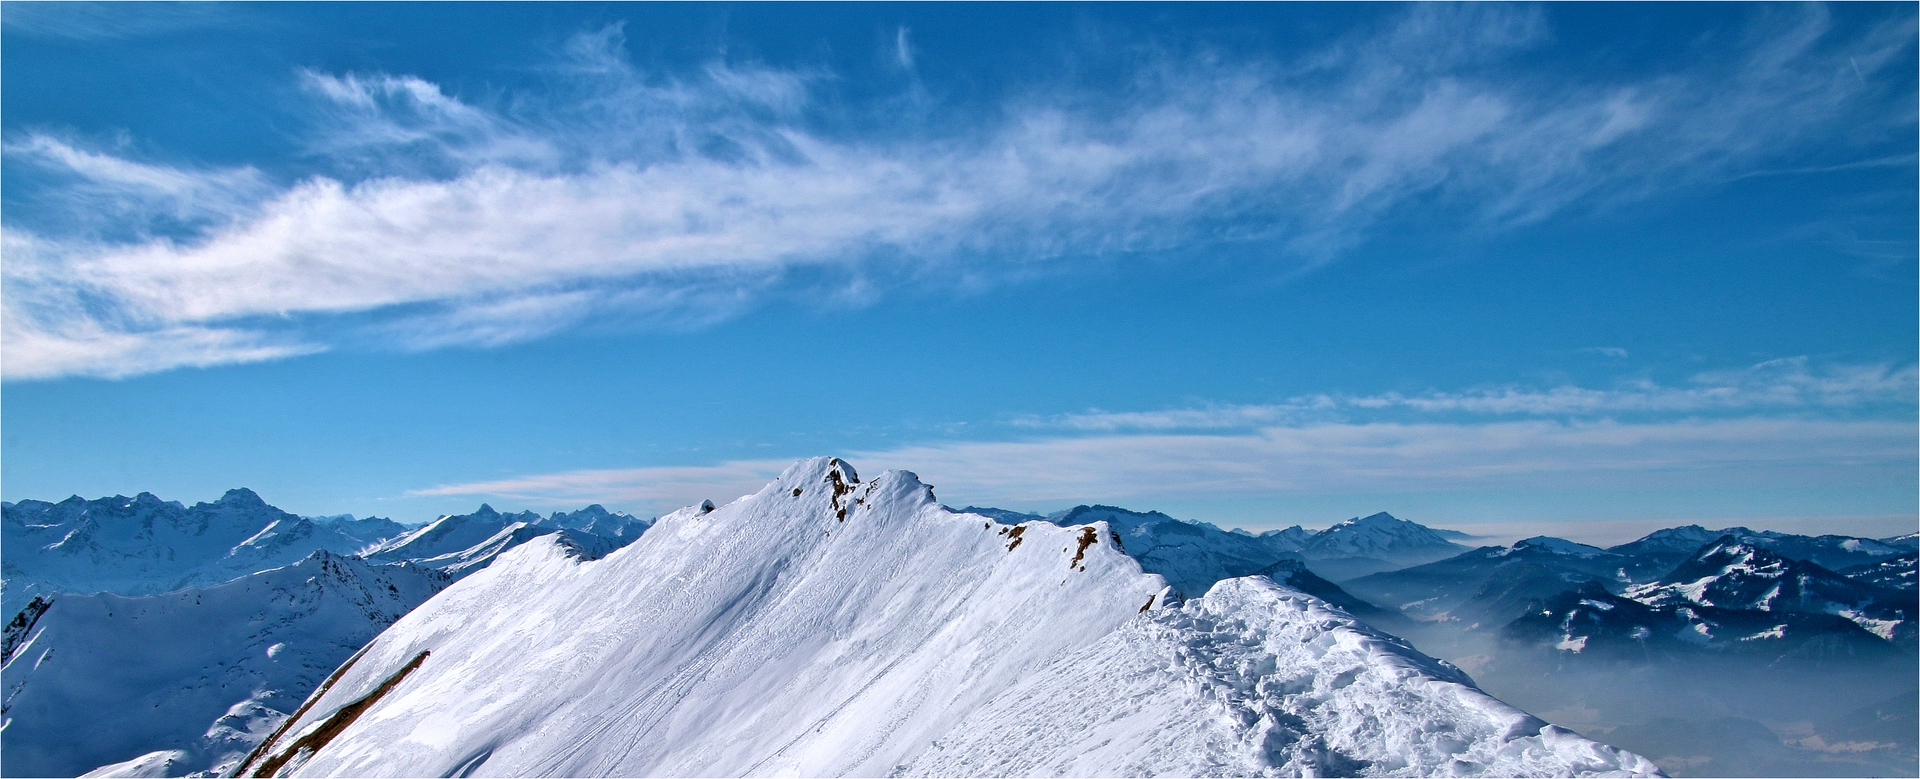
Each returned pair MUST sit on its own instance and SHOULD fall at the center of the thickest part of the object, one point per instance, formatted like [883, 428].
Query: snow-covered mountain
[1899, 572]
[189, 680]
[463, 543]
[1290, 539]
[619, 527]
[144, 545]
[1659, 551]
[1731, 573]
[1374, 543]
[447, 536]
[1492, 585]
[826, 625]
[368, 530]
[1592, 623]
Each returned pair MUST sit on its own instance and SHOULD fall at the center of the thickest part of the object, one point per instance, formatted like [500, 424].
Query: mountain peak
[240, 497]
[804, 474]
[1372, 535]
[1559, 546]
[1730, 548]
[1114, 515]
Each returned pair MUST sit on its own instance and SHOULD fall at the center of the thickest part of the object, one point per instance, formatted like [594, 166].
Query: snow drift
[826, 626]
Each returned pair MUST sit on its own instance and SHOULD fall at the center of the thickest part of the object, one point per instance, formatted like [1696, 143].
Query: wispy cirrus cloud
[1777, 423]
[1783, 385]
[119, 21]
[1379, 458]
[629, 194]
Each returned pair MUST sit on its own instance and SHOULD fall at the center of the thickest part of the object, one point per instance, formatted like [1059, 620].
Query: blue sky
[1581, 269]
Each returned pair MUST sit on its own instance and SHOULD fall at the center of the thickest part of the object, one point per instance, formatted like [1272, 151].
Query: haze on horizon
[1584, 270]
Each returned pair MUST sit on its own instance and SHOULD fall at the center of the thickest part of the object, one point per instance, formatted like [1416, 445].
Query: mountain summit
[1378, 542]
[827, 625]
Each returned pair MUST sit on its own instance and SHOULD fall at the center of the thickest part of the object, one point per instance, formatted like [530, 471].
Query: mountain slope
[1492, 585]
[826, 626]
[1899, 572]
[191, 679]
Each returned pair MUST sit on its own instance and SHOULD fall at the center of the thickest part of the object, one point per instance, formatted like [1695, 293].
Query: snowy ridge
[1190, 555]
[1256, 679]
[828, 626]
[451, 534]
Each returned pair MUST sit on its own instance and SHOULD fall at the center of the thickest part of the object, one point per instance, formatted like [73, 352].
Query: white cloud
[109, 193]
[457, 222]
[1312, 459]
[1776, 385]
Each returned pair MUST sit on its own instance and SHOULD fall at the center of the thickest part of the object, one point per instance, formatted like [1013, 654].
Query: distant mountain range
[1193, 555]
[144, 545]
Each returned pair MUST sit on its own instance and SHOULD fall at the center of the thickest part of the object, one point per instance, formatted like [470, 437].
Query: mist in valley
[1708, 716]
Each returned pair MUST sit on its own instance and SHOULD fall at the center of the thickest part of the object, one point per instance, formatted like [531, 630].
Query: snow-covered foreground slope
[825, 626]
[191, 680]
[1257, 679]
